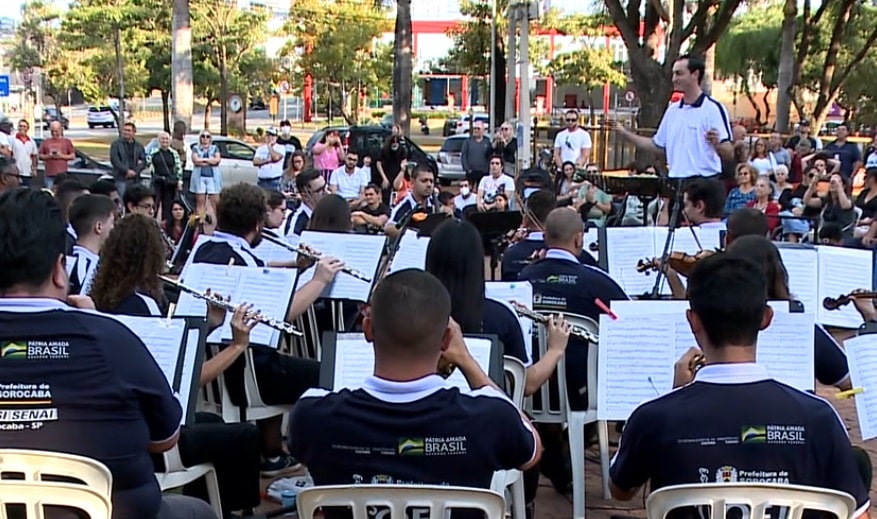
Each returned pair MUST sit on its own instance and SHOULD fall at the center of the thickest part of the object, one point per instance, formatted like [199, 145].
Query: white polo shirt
[270, 170]
[348, 184]
[571, 144]
[682, 134]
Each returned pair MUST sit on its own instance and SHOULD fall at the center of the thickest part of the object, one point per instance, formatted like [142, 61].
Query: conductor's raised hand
[242, 321]
[327, 268]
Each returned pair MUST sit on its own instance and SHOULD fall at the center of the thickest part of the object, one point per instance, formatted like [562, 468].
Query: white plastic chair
[758, 497]
[177, 475]
[256, 409]
[513, 479]
[93, 495]
[576, 420]
[399, 498]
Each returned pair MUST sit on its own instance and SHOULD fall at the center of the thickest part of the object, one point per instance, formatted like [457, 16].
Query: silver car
[449, 160]
[236, 165]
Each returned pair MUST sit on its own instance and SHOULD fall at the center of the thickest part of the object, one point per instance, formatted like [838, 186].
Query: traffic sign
[284, 87]
[4, 86]
[629, 96]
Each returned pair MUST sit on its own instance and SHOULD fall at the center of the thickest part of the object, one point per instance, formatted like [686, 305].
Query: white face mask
[285, 131]
[464, 191]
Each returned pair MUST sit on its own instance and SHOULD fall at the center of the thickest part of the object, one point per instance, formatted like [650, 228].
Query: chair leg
[213, 491]
[603, 440]
[577, 462]
[518, 504]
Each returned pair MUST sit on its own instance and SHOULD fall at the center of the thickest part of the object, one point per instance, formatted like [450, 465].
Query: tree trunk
[181, 64]
[754, 103]
[402, 66]
[165, 110]
[500, 94]
[710, 60]
[786, 72]
[223, 92]
[120, 76]
[653, 88]
[207, 113]
[765, 101]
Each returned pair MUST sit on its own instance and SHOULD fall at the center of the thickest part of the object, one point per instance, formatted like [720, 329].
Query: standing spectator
[847, 153]
[475, 154]
[391, 162]
[24, 151]
[269, 160]
[55, 152]
[128, 158]
[5, 137]
[206, 181]
[803, 134]
[167, 175]
[328, 154]
[506, 146]
[572, 144]
[290, 142]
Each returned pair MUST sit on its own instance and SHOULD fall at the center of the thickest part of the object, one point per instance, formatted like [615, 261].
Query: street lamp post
[492, 115]
[524, 117]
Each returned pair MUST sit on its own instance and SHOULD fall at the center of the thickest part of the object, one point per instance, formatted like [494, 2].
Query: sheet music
[801, 265]
[355, 361]
[411, 253]
[683, 338]
[635, 363]
[187, 373]
[162, 338]
[842, 270]
[269, 290]
[359, 251]
[785, 349]
[862, 359]
[683, 239]
[522, 292]
[625, 246]
[270, 252]
[592, 236]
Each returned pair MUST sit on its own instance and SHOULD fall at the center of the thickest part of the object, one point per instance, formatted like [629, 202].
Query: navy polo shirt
[562, 284]
[418, 432]
[517, 257]
[847, 153]
[500, 321]
[736, 424]
[80, 382]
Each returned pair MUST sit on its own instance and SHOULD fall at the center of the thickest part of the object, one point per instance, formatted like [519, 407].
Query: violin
[833, 303]
[681, 262]
[594, 246]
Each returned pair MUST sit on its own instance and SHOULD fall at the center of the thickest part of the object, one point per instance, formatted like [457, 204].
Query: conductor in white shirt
[349, 181]
[269, 160]
[572, 144]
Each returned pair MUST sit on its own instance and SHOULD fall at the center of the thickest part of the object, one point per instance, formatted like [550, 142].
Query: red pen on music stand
[602, 306]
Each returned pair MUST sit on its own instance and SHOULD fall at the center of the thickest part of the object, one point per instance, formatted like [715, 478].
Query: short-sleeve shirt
[571, 144]
[60, 146]
[270, 170]
[23, 151]
[709, 432]
[682, 134]
[493, 186]
[519, 256]
[349, 185]
[79, 382]
[418, 432]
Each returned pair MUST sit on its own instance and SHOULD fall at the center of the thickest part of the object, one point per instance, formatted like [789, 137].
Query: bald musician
[783, 435]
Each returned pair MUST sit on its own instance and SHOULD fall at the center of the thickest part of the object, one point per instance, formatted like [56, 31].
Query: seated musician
[312, 187]
[281, 378]
[108, 188]
[704, 200]
[67, 192]
[421, 196]
[95, 390]
[406, 405]
[785, 435]
[92, 217]
[524, 252]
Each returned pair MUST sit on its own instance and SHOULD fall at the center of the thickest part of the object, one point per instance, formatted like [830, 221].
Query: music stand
[493, 226]
[428, 226]
[671, 187]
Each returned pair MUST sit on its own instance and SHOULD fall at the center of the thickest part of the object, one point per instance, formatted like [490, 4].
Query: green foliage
[588, 67]
[470, 52]
[751, 48]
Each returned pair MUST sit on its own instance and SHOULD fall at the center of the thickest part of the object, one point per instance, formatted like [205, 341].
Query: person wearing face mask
[290, 142]
[464, 199]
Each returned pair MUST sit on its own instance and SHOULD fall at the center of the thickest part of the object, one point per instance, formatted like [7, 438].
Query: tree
[403, 68]
[224, 34]
[181, 64]
[589, 68]
[651, 71]
[786, 68]
[345, 61]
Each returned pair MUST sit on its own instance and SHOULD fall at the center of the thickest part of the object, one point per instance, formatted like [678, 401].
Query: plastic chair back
[398, 499]
[35, 495]
[36, 464]
[757, 497]
[515, 370]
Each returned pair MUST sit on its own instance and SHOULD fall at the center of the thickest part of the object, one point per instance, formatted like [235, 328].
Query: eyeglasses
[571, 120]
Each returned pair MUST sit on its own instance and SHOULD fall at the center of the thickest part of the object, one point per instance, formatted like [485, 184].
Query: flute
[217, 301]
[313, 255]
[575, 330]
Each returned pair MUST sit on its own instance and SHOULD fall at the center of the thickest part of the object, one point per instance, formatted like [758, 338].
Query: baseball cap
[804, 122]
[271, 131]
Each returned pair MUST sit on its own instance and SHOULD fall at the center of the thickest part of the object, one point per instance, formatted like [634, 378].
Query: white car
[463, 123]
[236, 165]
[102, 115]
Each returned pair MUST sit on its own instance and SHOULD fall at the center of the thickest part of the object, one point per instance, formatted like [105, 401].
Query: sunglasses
[571, 120]
[205, 136]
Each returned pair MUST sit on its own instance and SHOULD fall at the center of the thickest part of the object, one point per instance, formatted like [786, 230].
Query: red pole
[308, 94]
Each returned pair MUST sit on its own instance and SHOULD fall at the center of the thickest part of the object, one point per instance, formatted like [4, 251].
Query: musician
[492, 185]
[312, 187]
[276, 212]
[108, 188]
[523, 253]
[140, 201]
[93, 218]
[372, 215]
[108, 400]
[784, 435]
[704, 201]
[68, 191]
[420, 197]
[10, 177]
[562, 284]
[407, 407]
[281, 378]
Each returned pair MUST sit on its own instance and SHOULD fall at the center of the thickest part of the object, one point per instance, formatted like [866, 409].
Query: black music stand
[493, 226]
[428, 226]
[672, 186]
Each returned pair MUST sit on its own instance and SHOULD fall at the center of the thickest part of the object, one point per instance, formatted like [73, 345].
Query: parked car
[450, 165]
[87, 169]
[450, 126]
[463, 122]
[52, 114]
[102, 115]
[369, 140]
[237, 159]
